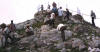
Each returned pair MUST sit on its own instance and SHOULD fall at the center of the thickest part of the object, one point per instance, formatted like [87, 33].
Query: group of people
[57, 13]
[6, 30]
[7, 33]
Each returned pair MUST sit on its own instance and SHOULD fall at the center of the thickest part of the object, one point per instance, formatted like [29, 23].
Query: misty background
[22, 10]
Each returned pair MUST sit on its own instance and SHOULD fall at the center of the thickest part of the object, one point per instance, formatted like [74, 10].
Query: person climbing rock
[93, 16]
[62, 28]
[52, 20]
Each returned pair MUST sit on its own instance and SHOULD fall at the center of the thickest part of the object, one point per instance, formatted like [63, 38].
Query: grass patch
[2, 50]
[21, 32]
[38, 24]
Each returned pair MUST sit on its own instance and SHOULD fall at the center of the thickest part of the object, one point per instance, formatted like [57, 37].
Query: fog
[22, 10]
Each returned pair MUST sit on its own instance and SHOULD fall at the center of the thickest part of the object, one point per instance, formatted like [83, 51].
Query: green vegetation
[38, 24]
[2, 50]
[21, 32]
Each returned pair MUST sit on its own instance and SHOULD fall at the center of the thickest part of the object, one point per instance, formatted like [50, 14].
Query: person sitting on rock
[29, 30]
[62, 27]
[6, 33]
[60, 13]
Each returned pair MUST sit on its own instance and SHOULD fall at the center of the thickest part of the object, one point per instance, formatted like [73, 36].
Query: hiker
[78, 11]
[52, 20]
[54, 4]
[93, 16]
[48, 10]
[29, 30]
[42, 8]
[6, 33]
[54, 9]
[68, 14]
[12, 26]
[62, 27]
[48, 6]
[60, 13]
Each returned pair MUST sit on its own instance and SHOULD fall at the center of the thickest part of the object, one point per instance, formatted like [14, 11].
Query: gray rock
[76, 42]
[68, 34]
[45, 28]
[60, 45]
[63, 50]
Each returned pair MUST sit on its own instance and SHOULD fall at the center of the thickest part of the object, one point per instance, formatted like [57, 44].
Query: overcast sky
[22, 10]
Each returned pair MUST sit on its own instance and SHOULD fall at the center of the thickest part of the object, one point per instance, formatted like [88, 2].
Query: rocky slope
[79, 36]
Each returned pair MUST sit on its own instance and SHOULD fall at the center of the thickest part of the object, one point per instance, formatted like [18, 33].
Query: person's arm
[94, 16]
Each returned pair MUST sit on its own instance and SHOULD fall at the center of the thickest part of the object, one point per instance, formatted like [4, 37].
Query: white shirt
[59, 26]
[60, 12]
[52, 16]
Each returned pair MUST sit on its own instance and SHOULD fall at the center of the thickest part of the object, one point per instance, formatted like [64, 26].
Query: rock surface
[79, 35]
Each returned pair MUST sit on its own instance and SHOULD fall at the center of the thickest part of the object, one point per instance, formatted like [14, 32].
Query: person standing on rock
[93, 16]
[62, 28]
[12, 28]
[48, 10]
[67, 14]
[42, 8]
[60, 13]
[54, 9]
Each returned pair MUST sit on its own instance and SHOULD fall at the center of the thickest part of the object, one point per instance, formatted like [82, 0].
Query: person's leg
[93, 22]
[63, 35]
[53, 23]
[10, 38]
[6, 42]
[68, 17]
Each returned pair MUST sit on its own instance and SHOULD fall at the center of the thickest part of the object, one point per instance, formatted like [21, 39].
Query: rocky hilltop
[79, 35]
